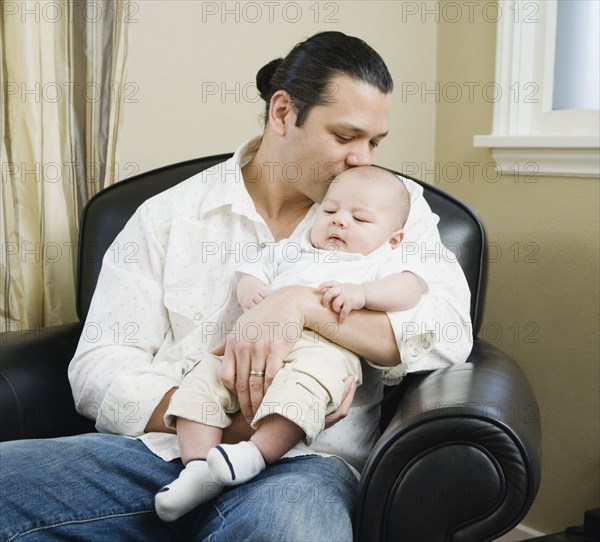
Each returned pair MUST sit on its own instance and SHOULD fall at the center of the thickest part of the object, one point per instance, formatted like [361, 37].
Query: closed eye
[360, 219]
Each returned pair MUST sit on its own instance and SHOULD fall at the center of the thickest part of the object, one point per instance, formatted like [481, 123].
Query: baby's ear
[396, 238]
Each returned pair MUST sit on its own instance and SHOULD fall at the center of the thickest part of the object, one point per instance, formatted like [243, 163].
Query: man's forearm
[367, 333]
[397, 292]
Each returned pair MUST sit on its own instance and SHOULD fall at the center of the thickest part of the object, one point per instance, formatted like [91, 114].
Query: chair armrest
[35, 394]
[460, 459]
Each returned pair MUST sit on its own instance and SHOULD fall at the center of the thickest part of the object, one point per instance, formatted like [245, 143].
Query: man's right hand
[263, 338]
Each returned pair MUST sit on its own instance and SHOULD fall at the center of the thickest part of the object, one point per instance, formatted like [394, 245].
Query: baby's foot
[194, 486]
[232, 464]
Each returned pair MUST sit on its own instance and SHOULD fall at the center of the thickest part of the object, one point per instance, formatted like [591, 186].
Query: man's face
[355, 216]
[336, 136]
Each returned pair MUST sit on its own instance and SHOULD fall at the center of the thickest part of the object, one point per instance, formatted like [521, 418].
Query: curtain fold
[62, 71]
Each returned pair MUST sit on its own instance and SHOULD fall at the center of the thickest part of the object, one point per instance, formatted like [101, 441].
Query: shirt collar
[229, 189]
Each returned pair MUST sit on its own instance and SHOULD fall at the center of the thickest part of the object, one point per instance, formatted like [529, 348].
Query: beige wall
[176, 62]
[542, 295]
[542, 291]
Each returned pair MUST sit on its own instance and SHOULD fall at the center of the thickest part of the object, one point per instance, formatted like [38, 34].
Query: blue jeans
[99, 487]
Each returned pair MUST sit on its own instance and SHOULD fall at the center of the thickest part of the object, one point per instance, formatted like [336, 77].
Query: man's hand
[261, 340]
[343, 297]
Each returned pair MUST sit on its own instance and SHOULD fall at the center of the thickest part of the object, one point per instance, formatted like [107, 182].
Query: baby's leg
[303, 392]
[196, 439]
[198, 409]
[195, 484]
[311, 384]
[276, 436]
[238, 463]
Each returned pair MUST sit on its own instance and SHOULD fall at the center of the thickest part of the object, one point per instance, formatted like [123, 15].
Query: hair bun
[264, 76]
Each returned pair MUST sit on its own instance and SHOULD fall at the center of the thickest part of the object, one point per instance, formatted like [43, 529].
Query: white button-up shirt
[156, 307]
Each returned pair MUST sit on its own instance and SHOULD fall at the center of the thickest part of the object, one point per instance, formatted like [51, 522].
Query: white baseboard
[520, 532]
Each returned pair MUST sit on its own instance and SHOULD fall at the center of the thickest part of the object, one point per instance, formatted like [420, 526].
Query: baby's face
[355, 217]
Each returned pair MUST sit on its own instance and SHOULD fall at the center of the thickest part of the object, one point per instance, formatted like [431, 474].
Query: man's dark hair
[306, 73]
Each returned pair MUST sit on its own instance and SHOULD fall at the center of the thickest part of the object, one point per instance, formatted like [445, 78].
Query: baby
[356, 228]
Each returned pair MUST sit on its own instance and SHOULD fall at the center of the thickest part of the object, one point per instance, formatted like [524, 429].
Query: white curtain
[62, 81]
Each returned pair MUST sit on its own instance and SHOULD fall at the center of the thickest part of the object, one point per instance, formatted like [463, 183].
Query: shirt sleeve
[265, 267]
[437, 332]
[112, 374]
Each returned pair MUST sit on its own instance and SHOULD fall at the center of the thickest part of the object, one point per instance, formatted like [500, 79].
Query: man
[327, 106]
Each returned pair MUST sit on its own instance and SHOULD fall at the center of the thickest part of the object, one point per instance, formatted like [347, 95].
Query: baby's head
[364, 208]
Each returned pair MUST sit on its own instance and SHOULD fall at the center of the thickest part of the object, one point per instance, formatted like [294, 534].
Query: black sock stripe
[197, 459]
[226, 457]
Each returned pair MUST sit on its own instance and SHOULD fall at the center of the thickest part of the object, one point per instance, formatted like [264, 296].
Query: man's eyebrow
[357, 130]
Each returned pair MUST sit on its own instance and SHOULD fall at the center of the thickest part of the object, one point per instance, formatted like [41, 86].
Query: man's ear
[396, 238]
[281, 113]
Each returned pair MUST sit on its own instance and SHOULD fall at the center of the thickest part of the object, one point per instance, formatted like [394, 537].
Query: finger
[264, 293]
[218, 350]
[346, 309]
[274, 363]
[327, 297]
[350, 390]
[330, 295]
[227, 370]
[327, 284]
[256, 384]
[337, 303]
[344, 407]
[242, 369]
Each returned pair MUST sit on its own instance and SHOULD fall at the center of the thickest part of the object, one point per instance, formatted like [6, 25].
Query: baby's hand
[343, 297]
[254, 297]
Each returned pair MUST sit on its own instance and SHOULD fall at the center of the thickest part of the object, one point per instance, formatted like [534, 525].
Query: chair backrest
[107, 212]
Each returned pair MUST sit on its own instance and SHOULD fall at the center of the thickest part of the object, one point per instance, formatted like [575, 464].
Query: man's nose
[361, 154]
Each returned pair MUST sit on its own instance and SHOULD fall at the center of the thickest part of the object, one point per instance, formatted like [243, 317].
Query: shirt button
[183, 371]
[198, 317]
[263, 245]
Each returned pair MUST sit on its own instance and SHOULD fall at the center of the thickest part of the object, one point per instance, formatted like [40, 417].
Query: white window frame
[526, 131]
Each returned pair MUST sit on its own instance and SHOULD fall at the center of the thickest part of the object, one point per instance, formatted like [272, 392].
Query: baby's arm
[396, 292]
[251, 291]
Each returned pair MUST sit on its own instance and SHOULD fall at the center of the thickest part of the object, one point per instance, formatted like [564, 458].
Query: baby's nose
[338, 221]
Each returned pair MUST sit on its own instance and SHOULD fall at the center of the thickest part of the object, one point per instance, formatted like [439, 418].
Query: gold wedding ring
[257, 373]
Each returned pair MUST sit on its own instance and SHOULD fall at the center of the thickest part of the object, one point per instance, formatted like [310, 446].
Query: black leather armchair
[459, 458]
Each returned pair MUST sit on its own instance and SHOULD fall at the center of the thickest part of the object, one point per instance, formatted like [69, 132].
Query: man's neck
[279, 202]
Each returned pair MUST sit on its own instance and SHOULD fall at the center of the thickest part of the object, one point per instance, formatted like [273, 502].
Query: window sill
[564, 156]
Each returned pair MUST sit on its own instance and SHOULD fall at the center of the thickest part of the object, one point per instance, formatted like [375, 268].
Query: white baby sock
[232, 464]
[194, 486]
